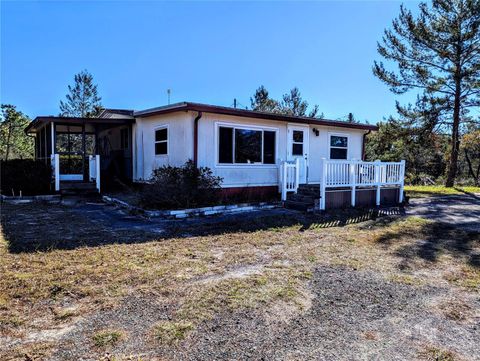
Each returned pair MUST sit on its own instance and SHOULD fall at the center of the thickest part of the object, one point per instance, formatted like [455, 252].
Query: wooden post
[377, 181]
[52, 124]
[84, 151]
[323, 185]
[284, 181]
[402, 180]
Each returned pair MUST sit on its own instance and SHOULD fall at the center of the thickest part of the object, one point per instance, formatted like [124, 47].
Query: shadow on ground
[432, 240]
[37, 227]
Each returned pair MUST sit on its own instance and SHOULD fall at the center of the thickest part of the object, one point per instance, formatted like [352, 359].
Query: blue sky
[210, 52]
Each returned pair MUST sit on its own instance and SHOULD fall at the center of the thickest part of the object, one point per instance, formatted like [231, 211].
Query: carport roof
[38, 122]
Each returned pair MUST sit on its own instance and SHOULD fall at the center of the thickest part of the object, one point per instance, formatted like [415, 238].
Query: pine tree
[14, 143]
[262, 102]
[438, 55]
[292, 104]
[82, 99]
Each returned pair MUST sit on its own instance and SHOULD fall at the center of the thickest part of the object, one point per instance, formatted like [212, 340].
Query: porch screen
[246, 146]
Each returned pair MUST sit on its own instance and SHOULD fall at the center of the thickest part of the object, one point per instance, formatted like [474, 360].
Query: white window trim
[162, 141]
[338, 134]
[247, 127]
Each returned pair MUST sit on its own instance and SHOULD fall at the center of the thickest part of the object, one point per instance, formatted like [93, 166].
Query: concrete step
[78, 185]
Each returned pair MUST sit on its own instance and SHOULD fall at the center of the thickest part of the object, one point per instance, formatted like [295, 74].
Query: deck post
[297, 173]
[97, 171]
[402, 180]
[352, 182]
[284, 181]
[56, 169]
[377, 181]
[323, 185]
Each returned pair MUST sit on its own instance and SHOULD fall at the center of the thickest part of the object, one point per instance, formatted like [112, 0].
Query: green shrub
[32, 177]
[181, 187]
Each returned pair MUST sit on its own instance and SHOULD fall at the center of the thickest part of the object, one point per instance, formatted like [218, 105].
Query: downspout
[195, 138]
[363, 143]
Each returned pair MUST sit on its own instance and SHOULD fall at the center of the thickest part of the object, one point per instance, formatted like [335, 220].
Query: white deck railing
[352, 174]
[94, 170]
[289, 177]
[55, 163]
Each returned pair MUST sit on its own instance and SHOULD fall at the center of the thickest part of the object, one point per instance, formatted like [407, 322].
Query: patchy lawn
[286, 286]
[429, 191]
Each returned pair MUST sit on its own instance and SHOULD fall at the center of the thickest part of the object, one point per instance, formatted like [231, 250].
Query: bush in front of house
[32, 177]
[181, 187]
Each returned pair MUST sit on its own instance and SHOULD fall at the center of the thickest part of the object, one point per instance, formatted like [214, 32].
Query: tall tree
[292, 103]
[14, 143]
[82, 99]
[438, 55]
[262, 102]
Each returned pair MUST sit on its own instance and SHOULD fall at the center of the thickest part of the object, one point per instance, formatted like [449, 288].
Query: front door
[298, 148]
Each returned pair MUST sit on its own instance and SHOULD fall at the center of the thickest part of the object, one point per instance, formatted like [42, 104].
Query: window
[124, 138]
[338, 147]
[161, 141]
[246, 146]
[297, 142]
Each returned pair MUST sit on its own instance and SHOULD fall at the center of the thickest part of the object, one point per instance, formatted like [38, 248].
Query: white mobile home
[258, 151]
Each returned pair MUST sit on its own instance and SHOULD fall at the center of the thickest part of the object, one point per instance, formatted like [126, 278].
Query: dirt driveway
[459, 210]
[93, 283]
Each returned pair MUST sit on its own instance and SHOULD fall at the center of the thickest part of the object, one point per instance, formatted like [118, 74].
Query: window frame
[343, 135]
[160, 127]
[234, 126]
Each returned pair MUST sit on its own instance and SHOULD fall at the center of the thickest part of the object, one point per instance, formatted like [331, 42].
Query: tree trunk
[7, 150]
[452, 167]
[470, 169]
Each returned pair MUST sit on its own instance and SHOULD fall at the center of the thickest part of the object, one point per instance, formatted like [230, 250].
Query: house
[254, 151]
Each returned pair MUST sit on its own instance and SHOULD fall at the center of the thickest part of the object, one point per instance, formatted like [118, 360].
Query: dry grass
[205, 275]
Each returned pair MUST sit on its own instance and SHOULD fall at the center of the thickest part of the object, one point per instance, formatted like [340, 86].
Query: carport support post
[377, 181]
[323, 185]
[402, 180]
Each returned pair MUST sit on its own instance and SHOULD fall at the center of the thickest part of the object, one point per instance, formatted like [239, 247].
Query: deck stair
[78, 188]
[304, 199]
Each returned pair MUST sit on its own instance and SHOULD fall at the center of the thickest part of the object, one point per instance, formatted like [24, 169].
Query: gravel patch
[352, 315]
[355, 315]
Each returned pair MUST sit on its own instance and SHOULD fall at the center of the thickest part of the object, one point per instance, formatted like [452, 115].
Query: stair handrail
[290, 177]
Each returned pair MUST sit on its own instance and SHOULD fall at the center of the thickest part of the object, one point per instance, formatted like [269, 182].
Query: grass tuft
[169, 332]
[107, 338]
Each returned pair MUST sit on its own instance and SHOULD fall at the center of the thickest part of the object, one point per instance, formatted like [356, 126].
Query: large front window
[246, 146]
